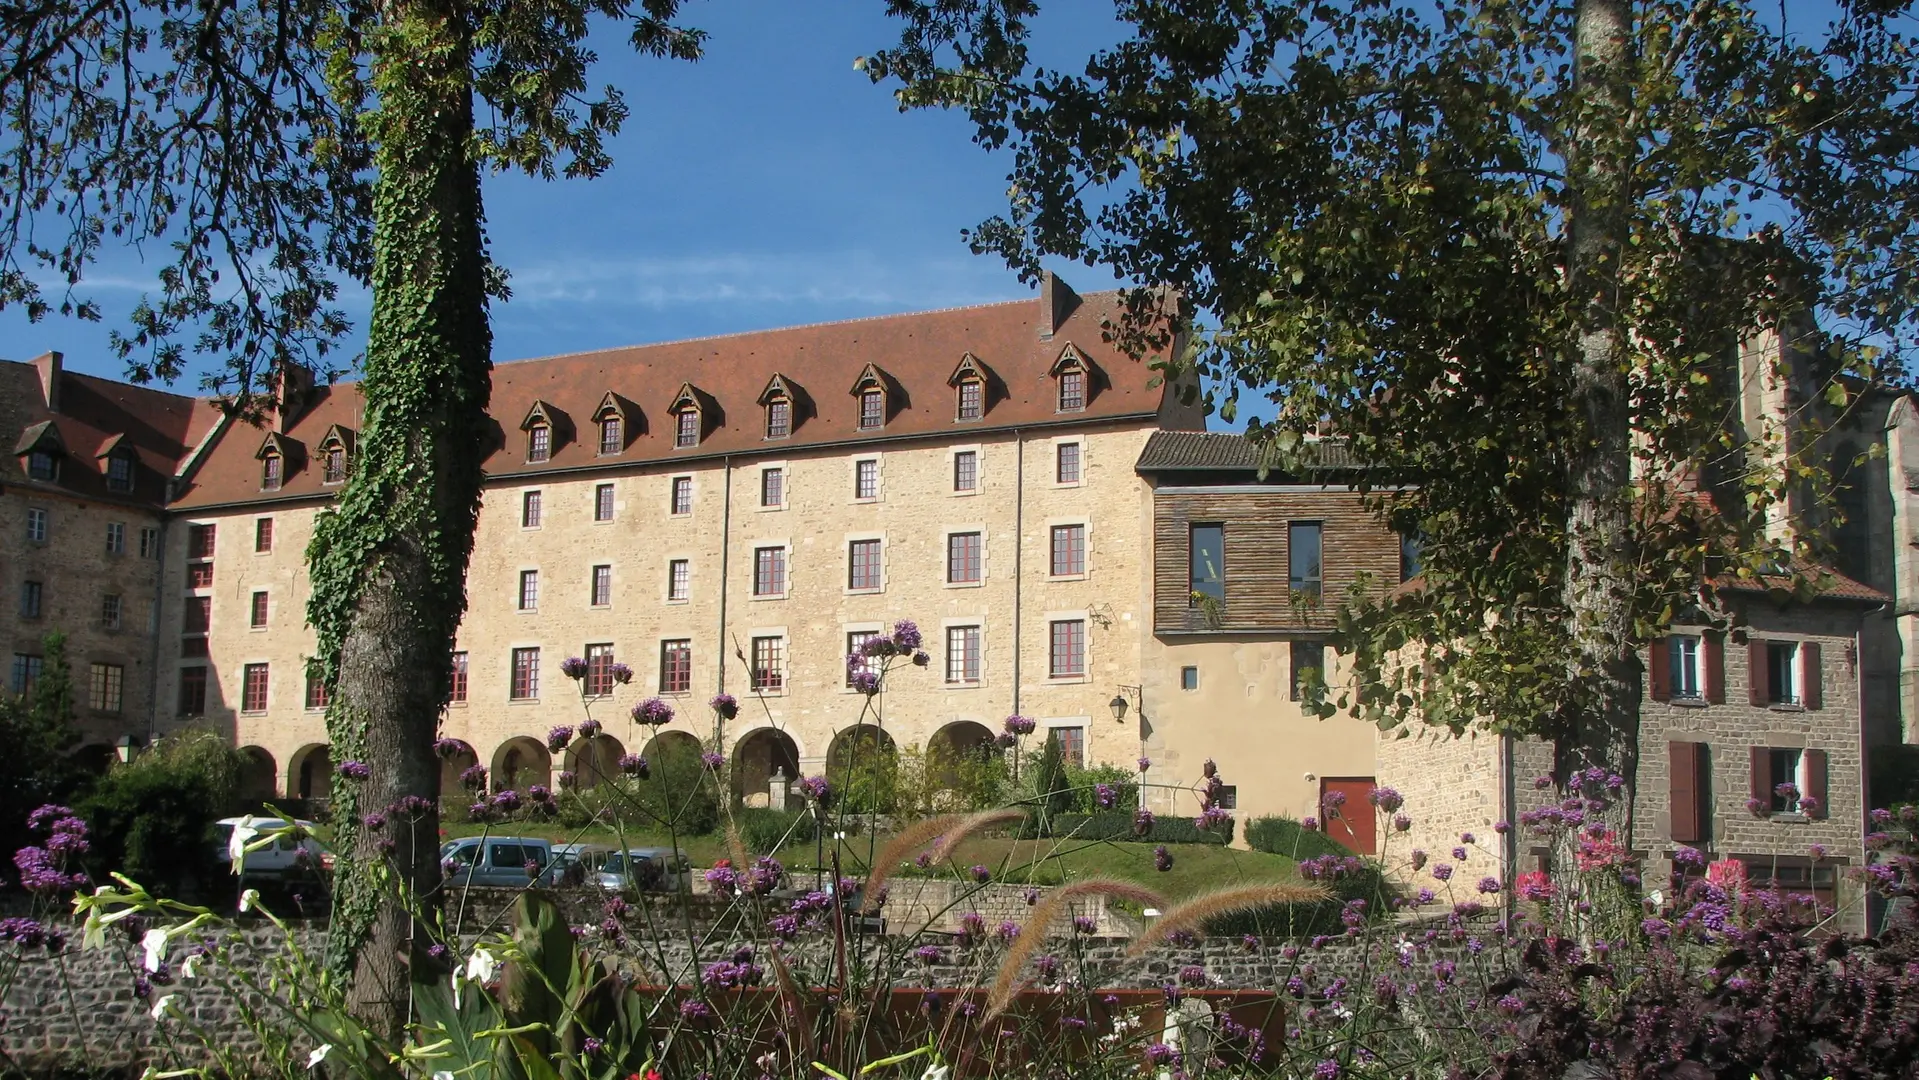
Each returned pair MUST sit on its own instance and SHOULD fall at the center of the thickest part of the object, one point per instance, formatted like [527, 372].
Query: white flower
[162, 1006]
[1405, 948]
[155, 943]
[481, 965]
[237, 845]
[1658, 898]
[248, 899]
[935, 1072]
[187, 965]
[443, 1074]
[318, 1055]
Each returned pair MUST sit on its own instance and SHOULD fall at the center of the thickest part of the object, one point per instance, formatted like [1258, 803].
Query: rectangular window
[1308, 666]
[686, 430]
[529, 590]
[856, 658]
[270, 472]
[1228, 797]
[456, 683]
[872, 409]
[530, 510]
[1302, 552]
[962, 655]
[1066, 657]
[676, 666]
[36, 525]
[966, 470]
[769, 664]
[193, 647]
[1782, 673]
[258, 619]
[539, 443]
[866, 479]
[599, 669]
[317, 697]
[32, 595]
[253, 689]
[682, 495]
[772, 487]
[1189, 678]
[1069, 550]
[863, 564]
[1066, 463]
[679, 579]
[964, 562]
[1684, 666]
[26, 672]
[1207, 546]
[1072, 391]
[110, 611]
[603, 502]
[42, 465]
[333, 468]
[1408, 557]
[610, 435]
[149, 543]
[119, 476]
[526, 674]
[200, 575]
[262, 535]
[1786, 769]
[769, 571]
[971, 397]
[779, 418]
[1072, 745]
[603, 586]
[197, 615]
[200, 542]
[116, 538]
[193, 691]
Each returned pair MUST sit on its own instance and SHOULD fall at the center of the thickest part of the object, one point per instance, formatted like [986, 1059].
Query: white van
[294, 855]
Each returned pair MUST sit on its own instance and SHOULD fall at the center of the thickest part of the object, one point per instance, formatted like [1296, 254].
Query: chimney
[292, 387]
[1057, 301]
[48, 365]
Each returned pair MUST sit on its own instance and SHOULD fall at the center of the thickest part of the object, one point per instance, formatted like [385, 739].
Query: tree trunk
[389, 564]
[1601, 727]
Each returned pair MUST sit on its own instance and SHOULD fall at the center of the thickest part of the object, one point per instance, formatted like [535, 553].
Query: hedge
[1284, 836]
[1118, 826]
[764, 830]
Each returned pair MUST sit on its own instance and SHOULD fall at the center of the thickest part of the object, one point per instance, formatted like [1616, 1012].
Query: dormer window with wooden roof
[778, 399]
[969, 382]
[1073, 376]
[870, 389]
[541, 423]
[335, 448]
[689, 417]
[611, 419]
[40, 449]
[272, 470]
[43, 465]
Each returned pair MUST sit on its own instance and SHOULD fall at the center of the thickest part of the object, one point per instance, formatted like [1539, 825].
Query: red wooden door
[1356, 825]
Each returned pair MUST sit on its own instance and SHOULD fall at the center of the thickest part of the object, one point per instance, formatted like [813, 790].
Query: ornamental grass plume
[1033, 935]
[1195, 912]
[948, 829]
[971, 824]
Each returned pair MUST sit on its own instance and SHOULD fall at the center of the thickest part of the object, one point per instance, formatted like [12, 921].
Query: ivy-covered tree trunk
[389, 563]
[1600, 730]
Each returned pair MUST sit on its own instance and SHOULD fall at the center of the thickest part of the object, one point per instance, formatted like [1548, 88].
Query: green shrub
[764, 831]
[1115, 825]
[37, 732]
[864, 768]
[1284, 836]
[1125, 785]
[935, 781]
[678, 793]
[152, 818]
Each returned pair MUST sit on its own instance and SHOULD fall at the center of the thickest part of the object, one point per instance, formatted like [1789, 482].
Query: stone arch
[594, 761]
[452, 765]
[310, 772]
[955, 751]
[521, 762]
[667, 742]
[259, 775]
[863, 765]
[755, 758]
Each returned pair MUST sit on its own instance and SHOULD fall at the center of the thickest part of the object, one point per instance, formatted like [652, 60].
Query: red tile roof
[917, 352]
[96, 416]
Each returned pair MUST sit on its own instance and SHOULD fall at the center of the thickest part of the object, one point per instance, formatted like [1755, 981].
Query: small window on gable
[687, 431]
[689, 416]
[120, 472]
[779, 418]
[1073, 376]
[539, 443]
[611, 440]
[781, 401]
[972, 399]
[869, 391]
[333, 467]
[969, 380]
[272, 471]
[43, 465]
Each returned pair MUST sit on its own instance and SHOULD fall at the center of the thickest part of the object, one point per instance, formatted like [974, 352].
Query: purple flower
[1085, 924]
[374, 822]
[1048, 967]
[1162, 859]
[906, 636]
[589, 728]
[713, 762]
[1031, 895]
[538, 793]
[507, 801]
[982, 874]
[1541, 783]
[1331, 802]
[1688, 856]
[1809, 805]
[1326, 1070]
[864, 682]
[1442, 872]
[1004, 740]
[1142, 822]
[652, 712]
[1006, 931]
[922, 658]
[621, 673]
[1817, 851]
[1502, 826]
[567, 778]
[1192, 975]
[448, 748]
[1105, 796]
[1489, 885]
[1787, 791]
[1459, 854]
[726, 705]
[929, 954]
[1757, 807]
[1211, 818]
[591, 1045]
[1160, 1054]
[634, 765]
[573, 667]
[1466, 838]
[473, 778]
[353, 770]
[1309, 823]
[1019, 726]
[1386, 799]
[815, 788]
[557, 739]
[692, 1011]
[972, 925]
[1402, 823]
[784, 927]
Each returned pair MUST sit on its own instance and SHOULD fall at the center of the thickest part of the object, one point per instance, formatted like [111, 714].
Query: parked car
[294, 855]
[648, 869]
[507, 862]
[576, 864]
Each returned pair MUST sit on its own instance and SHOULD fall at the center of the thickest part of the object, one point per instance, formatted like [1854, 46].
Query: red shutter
[1685, 759]
[1815, 766]
[1814, 695]
[1661, 669]
[1713, 658]
[1756, 672]
[1762, 774]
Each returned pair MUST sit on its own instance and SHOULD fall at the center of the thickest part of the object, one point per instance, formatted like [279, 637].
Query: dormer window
[779, 418]
[272, 471]
[43, 465]
[687, 428]
[970, 381]
[972, 399]
[781, 399]
[120, 473]
[333, 465]
[539, 443]
[690, 410]
[1073, 374]
[612, 439]
[872, 409]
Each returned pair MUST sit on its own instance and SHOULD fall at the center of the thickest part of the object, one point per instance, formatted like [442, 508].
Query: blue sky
[767, 185]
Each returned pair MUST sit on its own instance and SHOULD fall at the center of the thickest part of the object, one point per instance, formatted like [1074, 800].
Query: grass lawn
[1197, 868]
